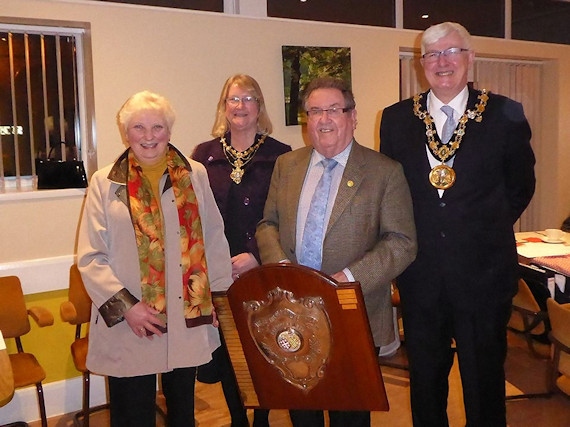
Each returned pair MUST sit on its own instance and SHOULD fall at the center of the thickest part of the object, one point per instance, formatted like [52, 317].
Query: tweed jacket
[466, 243]
[371, 229]
[108, 262]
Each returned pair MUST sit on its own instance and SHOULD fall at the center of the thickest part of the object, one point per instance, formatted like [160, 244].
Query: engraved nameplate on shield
[293, 335]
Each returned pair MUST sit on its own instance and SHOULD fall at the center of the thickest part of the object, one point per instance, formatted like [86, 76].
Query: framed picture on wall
[301, 64]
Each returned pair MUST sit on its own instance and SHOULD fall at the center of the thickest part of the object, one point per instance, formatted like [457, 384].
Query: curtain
[519, 81]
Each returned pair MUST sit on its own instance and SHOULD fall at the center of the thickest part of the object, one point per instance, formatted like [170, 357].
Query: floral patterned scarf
[149, 232]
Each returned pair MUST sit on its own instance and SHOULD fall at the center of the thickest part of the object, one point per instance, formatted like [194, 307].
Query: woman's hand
[215, 321]
[242, 263]
[142, 318]
[340, 277]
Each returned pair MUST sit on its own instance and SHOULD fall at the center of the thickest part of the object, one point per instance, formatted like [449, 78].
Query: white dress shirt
[459, 105]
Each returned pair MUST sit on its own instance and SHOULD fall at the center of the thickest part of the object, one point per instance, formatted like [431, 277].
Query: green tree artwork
[301, 64]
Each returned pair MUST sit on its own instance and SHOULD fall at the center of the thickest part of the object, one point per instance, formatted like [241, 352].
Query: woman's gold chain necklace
[238, 159]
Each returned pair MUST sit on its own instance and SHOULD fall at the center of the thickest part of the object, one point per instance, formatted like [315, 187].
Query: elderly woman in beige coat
[151, 247]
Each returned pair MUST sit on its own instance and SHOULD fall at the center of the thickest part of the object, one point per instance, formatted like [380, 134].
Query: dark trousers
[481, 345]
[221, 362]
[336, 418]
[133, 399]
[222, 365]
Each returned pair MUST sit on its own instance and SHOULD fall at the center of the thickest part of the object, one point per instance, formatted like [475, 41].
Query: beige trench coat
[108, 262]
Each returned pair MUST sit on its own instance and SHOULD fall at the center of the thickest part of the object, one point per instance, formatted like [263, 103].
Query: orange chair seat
[79, 353]
[27, 370]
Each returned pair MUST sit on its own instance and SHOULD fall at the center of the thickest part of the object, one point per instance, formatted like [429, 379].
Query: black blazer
[466, 243]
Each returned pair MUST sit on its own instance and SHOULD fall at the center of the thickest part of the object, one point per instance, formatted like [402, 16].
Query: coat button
[442, 234]
[441, 204]
[246, 201]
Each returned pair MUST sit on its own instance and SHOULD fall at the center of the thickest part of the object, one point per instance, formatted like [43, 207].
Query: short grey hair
[436, 32]
[145, 101]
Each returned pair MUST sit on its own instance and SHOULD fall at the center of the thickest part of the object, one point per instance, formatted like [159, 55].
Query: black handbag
[58, 174]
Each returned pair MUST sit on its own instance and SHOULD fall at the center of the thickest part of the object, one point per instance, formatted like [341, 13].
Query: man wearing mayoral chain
[468, 160]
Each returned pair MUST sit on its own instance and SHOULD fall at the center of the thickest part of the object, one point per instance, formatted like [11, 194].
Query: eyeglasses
[451, 53]
[235, 100]
[333, 112]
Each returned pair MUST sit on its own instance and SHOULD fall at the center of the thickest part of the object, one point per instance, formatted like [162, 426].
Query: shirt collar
[341, 158]
[459, 103]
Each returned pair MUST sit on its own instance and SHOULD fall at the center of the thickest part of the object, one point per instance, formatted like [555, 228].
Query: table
[6, 377]
[530, 245]
[554, 258]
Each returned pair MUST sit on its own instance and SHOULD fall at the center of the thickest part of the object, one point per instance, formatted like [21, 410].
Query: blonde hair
[436, 32]
[248, 83]
[142, 101]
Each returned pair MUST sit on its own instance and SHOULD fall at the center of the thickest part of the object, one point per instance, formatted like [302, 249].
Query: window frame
[85, 94]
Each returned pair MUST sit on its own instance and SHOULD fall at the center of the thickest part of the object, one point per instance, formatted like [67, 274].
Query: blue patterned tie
[312, 245]
[449, 125]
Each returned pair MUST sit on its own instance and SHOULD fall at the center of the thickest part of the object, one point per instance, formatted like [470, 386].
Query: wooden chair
[77, 311]
[7, 381]
[6, 376]
[560, 337]
[530, 320]
[14, 323]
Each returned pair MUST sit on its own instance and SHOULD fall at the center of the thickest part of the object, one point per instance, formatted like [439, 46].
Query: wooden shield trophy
[297, 339]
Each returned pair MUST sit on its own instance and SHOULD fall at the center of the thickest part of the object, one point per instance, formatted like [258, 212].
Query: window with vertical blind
[517, 79]
[46, 100]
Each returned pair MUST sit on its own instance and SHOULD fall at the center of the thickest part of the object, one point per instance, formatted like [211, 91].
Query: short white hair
[436, 32]
[142, 101]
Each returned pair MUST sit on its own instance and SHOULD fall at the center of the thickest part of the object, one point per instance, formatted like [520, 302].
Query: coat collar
[352, 178]
[354, 174]
[120, 170]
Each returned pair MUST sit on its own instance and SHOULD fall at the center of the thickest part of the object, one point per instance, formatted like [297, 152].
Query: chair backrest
[6, 375]
[79, 297]
[527, 306]
[14, 321]
[525, 298]
[559, 315]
